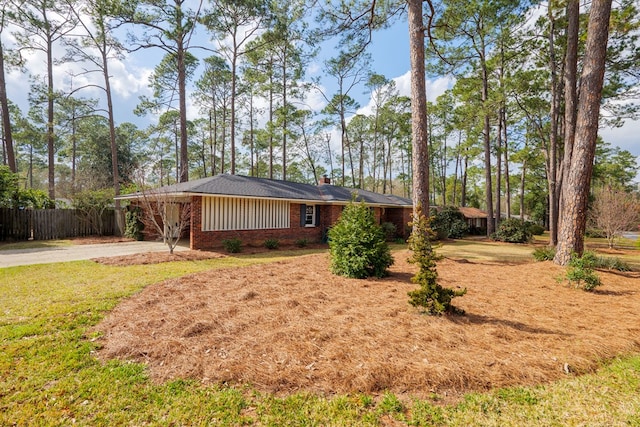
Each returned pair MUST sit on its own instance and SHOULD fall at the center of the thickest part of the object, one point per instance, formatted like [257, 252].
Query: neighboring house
[255, 209]
[476, 219]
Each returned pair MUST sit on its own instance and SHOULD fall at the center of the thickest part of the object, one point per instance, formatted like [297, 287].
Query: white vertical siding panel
[225, 213]
[206, 213]
[243, 215]
[203, 217]
[252, 214]
[216, 212]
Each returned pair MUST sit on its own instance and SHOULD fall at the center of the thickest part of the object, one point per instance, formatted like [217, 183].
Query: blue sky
[389, 55]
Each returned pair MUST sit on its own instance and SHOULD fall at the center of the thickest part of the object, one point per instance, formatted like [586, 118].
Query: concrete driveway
[10, 258]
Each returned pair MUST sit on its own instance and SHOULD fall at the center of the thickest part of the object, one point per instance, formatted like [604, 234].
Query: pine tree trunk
[575, 193]
[420, 160]
[486, 136]
[6, 117]
[182, 95]
[570, 89]
[50, 119]
[552, 159]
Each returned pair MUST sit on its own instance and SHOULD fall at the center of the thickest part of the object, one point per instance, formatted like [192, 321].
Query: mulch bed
[292, 326]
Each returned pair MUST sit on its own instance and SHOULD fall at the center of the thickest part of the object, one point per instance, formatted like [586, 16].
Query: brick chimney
[324, 180]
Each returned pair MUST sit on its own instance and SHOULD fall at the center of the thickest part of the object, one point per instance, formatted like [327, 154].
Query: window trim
[313, 216]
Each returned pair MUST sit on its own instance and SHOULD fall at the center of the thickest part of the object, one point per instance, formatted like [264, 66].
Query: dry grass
[94, 240]
[157, 258]
[292, 326]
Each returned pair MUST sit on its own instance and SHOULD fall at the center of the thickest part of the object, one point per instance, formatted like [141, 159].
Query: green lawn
[34, 244]
[49, 377]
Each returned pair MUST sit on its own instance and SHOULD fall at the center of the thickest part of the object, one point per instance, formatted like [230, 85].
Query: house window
[310, 216]
[227, 213]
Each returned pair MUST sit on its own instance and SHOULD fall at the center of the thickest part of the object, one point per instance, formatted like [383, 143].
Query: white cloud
[129, 80]
[314, 100]
[314, 68]
[435, 88]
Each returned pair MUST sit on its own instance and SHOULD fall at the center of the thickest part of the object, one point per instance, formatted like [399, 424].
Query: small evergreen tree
[357, 245]
[431, 297]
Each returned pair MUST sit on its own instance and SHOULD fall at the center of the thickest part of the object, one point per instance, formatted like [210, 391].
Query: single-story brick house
[476, 219]
[255, 209]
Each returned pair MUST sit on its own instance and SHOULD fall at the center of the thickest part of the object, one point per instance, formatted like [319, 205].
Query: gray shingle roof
[244, 186]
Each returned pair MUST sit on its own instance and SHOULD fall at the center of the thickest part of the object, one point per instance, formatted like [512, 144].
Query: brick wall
[213, 239]
[401, 218]
[329, 214]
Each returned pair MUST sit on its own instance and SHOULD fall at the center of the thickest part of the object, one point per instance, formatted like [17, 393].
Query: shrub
[536, 229]
[431, 297]
[545, 253]
[133, 224]
[594, 233]
[513, 230]
[12, 196]
[580, 272]
[357, 245]
[611, 264]
[389, 230]
[449, 222]
[272, 243]
[91, 206]
[232, 246]
[301, 243]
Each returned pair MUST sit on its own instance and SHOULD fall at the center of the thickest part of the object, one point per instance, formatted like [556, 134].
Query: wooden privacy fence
[49, 224]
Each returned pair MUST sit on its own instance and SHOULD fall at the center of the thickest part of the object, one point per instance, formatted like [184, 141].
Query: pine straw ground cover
[291, 326]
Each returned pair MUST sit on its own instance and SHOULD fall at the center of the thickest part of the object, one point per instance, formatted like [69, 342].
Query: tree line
[502, 137]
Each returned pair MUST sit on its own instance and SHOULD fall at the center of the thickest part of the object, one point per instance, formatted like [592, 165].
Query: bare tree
[91, 207]
[163, 215]
[614, 211]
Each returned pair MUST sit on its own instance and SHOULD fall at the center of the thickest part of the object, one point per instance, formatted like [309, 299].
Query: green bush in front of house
[389, 230]
[272, 243]
[513, 230]
[357, 245]
[233, 246]
[449, 223]
[133, 223]
[536, 229]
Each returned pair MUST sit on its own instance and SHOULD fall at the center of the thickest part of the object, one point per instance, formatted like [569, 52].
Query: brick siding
[329, 214]
[213, 239]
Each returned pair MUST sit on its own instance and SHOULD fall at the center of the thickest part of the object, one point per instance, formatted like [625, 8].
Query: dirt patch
[157, 257]
[95, 240]
[292, 326]
[190, 255]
